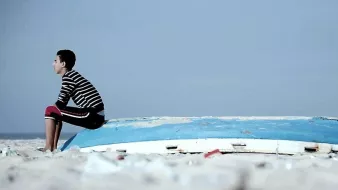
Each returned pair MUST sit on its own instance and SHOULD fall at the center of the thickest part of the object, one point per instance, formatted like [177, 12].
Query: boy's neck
[63, 72]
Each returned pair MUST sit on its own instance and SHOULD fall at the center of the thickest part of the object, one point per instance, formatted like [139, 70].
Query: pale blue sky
[172, 58]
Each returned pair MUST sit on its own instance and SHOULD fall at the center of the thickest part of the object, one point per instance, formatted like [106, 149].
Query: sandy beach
[23, 167]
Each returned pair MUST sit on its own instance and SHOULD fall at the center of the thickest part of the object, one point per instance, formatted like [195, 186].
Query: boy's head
[65, 59]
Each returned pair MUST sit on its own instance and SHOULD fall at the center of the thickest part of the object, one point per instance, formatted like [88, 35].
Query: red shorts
[83, 117]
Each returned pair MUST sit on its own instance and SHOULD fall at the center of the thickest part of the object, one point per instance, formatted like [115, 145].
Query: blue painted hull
[308, 129]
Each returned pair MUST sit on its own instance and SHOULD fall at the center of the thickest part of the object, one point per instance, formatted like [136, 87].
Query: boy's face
[58, 65]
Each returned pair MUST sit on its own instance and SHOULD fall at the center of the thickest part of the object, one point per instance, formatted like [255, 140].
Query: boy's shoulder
[71, 74]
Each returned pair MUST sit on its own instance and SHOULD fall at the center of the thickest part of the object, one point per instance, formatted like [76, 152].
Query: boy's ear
[63, 64]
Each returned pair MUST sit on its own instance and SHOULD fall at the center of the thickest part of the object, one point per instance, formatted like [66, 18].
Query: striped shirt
[82, 92]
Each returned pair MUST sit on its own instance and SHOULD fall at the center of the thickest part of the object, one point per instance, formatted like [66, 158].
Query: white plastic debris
[8, 152]
[4, 152]
[288, 165]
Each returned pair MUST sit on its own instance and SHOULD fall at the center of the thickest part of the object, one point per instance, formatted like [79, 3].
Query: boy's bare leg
[57, 134]
[50, 133]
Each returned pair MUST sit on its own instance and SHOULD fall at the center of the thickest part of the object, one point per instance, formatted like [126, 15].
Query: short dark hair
[68, 57]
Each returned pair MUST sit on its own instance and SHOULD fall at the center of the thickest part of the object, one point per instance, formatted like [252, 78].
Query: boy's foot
[42, 149]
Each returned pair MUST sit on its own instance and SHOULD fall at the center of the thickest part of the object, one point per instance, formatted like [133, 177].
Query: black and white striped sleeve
[67, 89]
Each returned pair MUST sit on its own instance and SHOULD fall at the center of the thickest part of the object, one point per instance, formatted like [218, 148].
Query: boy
[90, 111]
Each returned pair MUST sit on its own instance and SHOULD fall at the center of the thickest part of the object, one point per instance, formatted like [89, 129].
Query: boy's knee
[52, 111]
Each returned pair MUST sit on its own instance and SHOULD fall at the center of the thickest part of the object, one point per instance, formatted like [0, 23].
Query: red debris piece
[216, 151]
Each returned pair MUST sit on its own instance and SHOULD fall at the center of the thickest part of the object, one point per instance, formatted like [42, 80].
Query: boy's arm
[67, 89]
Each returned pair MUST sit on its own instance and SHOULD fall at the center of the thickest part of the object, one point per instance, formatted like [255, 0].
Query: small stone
[261, 165]
[120, 157]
